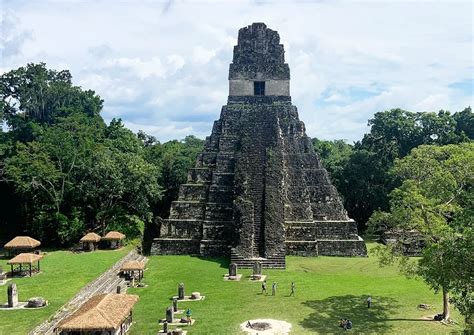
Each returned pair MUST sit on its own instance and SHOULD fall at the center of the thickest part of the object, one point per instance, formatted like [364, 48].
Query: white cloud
[142, 68]
[202, 56]
[175, 63]
[163, 66]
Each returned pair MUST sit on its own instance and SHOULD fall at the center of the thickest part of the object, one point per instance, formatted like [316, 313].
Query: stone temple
[258, 191]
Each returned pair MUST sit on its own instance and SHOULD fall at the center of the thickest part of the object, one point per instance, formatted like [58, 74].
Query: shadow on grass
[328, 312]
[222, 261]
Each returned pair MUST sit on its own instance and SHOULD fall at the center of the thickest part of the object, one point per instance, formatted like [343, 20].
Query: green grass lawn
[327, 289]
[62, 275]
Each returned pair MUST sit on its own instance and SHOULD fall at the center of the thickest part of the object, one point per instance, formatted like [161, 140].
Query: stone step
[276, 261]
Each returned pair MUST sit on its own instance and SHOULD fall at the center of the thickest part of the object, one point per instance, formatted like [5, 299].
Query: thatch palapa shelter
[114, 238]
[133, 269]
[105, 314]
[25, 263]
[21, 244]
[90, 241]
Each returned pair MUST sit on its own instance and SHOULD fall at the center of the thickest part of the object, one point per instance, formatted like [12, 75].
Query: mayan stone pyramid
[258, 191]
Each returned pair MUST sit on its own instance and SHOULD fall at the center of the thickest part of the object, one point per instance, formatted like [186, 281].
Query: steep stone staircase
[105, 283]
[275, 261]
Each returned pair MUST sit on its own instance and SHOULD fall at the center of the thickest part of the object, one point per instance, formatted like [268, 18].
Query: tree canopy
[63, 171]
[435, 198]
[361, 173]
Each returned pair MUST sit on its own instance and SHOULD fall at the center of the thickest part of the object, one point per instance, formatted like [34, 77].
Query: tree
[174, 159]
[447, 266]
[34, 93]
[365, 180]
[43, 172]
[119, 187]
[334, 156]
[68, 170]
[465, 123]
[435, 199]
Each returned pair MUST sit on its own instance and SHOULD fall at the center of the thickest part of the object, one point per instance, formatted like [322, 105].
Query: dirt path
[105, 283]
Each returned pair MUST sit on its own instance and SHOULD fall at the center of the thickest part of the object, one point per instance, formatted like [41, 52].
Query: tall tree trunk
[445, 304]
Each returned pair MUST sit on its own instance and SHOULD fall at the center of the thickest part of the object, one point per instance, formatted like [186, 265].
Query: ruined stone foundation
[258, 191]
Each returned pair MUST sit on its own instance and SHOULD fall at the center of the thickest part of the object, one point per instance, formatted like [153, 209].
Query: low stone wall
[181, 228]
[168, 246]
[213, 248]
[342, 248]
[301, 248]
[321, 230]
[410, 243]
[344, 230]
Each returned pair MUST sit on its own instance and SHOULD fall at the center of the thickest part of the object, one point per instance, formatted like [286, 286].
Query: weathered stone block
[186, 228]
[193, 192]
[199, 176]
[175, 246]
[301, 248]
[187, 210]
[342, 248]
[213, 248]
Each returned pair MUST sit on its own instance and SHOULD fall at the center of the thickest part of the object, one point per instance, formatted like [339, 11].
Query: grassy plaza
[327, 289]
[62, 275]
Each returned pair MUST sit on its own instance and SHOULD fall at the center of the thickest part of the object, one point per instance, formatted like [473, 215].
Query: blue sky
[162, 66]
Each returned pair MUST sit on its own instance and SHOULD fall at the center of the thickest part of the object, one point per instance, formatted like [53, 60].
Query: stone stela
[257, 272]
[232, 275]
[195, 296]
[232, 270]
[181, 291]
[258, 191]
[257, 269]
[169, 315]
[12, 293]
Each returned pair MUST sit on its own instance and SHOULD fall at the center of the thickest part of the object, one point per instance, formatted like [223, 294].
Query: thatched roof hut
[113, 236]
[90, 237]
[133, 269]
[25, 262]
[132, 265]
[103, 312]
[90, 241]
[25, 258]
[22, 242]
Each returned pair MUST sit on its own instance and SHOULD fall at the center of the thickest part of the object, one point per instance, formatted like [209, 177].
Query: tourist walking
[292, 294]
[274, 288]
[188, 316]
[369, 301]
[264, 287]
